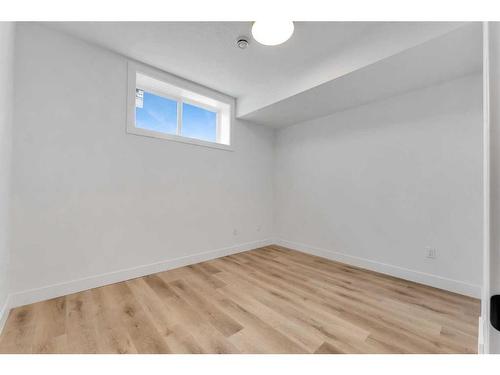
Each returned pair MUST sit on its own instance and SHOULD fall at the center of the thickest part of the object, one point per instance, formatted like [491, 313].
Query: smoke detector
[242, 42]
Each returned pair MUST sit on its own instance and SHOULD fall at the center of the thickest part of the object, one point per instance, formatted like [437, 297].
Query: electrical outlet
[430, 253]
[259, 228]
[235, 232]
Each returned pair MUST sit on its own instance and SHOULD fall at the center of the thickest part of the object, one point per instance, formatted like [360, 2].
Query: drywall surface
[445, 58]
[6, 91]
[383, 41]
[494, 83]
[377, 184]
[380, 183]
[90, 199]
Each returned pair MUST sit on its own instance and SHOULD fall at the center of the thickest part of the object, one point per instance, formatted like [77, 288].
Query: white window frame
[181, 91]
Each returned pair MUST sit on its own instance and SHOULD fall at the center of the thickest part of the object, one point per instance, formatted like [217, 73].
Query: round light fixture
[272, 33]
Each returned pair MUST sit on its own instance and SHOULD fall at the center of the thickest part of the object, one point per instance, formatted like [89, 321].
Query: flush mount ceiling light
[272, 33]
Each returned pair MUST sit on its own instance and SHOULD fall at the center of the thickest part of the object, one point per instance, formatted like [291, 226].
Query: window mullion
[179, 117]
[218, 129]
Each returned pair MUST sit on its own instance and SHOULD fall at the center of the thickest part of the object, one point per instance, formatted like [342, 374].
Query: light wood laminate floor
[269, 300]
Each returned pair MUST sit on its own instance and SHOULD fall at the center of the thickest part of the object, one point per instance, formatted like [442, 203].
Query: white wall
[377, 184]
[494, 86]
[6, 91]
[89, 199]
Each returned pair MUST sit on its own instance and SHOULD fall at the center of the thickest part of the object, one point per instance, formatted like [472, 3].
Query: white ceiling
[259, 76]
[206, 52]
[450, 56]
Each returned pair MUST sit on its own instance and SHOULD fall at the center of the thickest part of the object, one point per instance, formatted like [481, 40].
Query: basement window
[168, 107]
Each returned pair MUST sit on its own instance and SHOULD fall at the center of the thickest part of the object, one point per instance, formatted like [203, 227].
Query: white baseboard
[451, 285]
[74, 286]
[69, 287]
[4, 313]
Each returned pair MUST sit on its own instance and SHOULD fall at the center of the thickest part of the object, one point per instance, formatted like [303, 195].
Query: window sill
[177, 138]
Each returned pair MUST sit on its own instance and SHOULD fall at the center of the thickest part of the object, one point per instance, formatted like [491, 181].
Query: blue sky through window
[157, 113]
[199, 123]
